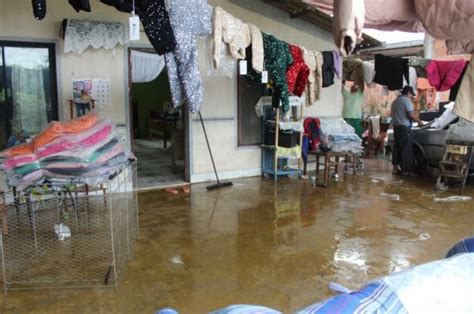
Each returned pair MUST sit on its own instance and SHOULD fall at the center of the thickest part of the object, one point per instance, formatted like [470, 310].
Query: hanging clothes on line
[155, 20]
[413, 78]
[157, 26]
[297, 74]
[464, 106]
[389, 71]
[277, 59]
[182, 64]
[337, 63]
[455, 88]
[314, 60]
[328, 68]
[353, 71]
[368, 71]
[419, 64]
[444, 74]
[238, 35]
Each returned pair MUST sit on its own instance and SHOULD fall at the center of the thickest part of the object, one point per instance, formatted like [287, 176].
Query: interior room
[157, 128]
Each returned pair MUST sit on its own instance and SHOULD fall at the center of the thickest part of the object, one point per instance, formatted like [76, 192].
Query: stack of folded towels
[81, 150]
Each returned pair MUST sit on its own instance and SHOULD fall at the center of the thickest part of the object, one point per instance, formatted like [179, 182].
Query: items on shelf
[282, 139]
[340, 136]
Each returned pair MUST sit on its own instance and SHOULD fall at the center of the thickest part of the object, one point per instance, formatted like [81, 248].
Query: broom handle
[208, 146]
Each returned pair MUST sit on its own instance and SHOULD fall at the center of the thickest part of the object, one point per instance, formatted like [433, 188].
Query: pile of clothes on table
[82, 150]
[331, 134]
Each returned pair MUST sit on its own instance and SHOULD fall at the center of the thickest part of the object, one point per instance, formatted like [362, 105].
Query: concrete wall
[17, 23]
[220, 94]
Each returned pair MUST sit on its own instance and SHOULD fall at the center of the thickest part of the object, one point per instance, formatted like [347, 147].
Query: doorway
[28, 92]
[158, 131]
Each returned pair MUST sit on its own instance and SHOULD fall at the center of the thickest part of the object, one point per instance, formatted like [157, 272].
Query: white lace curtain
[81, 34]
[146, 66]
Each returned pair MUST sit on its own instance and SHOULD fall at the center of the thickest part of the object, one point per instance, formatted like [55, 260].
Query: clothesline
[172, 30]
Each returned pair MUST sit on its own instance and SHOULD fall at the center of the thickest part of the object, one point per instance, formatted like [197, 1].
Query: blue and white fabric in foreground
[463, 246]
[376, 297]
[246, 309]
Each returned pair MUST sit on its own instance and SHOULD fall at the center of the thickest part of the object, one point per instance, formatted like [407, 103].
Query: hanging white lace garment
[146, 66]
[81, 34]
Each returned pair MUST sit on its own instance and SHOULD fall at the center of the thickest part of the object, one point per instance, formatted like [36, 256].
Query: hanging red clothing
[297, 74]
[444, 74]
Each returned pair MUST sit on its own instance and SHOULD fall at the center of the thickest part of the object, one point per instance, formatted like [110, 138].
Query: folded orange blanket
[54, 130]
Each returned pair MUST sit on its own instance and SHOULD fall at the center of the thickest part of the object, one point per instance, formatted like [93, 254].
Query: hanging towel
[353, 71]
[375, 125]
[297, 74]
[328, 69]
[464, 106]
[444, 74]
[257, 48]
[389, 71]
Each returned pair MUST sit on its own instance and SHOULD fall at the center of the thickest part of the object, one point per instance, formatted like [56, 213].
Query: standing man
[352, 109]
[402, 116]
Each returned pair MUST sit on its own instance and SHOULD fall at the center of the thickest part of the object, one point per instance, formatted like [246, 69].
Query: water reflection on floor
[280, 247]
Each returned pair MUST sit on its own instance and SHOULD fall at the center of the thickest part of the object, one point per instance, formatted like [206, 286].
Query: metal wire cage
[69, 237]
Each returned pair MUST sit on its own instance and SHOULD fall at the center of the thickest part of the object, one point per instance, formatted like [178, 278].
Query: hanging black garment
[157, 26]
[328, 68]
[124, 5]
[79, 5]
[39, 9]
[155, 20]
[455, 88]
[389, 71]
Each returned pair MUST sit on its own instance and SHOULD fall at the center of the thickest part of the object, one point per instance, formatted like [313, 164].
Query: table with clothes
[333, 140]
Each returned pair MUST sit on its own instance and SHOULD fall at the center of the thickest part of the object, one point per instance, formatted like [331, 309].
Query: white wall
[17, 23]
[220, 94]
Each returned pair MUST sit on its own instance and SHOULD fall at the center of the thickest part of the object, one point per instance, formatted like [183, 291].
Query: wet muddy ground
[277, 246]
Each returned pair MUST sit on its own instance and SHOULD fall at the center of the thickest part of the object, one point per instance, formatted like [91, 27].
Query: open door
[158, 131]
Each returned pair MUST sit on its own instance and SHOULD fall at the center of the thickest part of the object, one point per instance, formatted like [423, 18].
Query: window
[249, 125]
[28, 93]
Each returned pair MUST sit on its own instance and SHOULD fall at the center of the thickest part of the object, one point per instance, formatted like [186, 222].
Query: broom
[219, 184]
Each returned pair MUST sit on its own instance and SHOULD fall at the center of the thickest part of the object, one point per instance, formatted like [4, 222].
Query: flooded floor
[280, 247]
